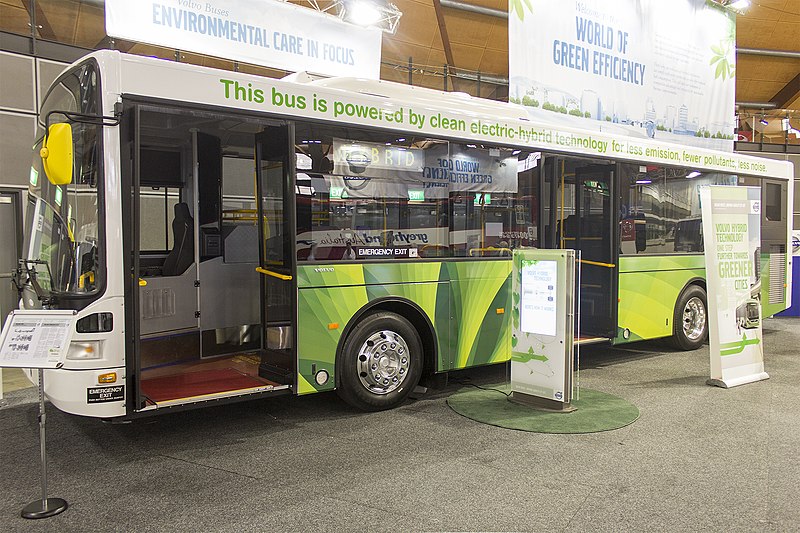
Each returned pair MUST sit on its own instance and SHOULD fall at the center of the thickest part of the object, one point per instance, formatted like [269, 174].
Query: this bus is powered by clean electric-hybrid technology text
[224, 236]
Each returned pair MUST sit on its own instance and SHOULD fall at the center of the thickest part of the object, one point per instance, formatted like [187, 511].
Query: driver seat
[182, 254]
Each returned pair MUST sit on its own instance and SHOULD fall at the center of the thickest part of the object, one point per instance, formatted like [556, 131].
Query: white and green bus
[224, 236]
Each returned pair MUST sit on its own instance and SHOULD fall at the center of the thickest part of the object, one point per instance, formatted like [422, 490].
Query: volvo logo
[323, 269]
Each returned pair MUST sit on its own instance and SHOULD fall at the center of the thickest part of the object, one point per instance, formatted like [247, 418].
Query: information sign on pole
[38, 339]
[543, 327]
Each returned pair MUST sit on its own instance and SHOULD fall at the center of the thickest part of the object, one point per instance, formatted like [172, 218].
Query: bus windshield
[63, 220]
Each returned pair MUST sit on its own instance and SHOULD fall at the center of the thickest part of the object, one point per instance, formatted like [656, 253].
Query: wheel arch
[697, 280]
[408, 310]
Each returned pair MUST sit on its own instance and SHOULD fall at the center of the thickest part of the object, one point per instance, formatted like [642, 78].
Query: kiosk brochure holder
[543, 315]
[38, 339]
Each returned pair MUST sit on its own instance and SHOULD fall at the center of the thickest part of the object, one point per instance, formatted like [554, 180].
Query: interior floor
[204, 377]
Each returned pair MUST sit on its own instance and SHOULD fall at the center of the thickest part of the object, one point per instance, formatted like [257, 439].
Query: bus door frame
[130, 147]
[285, 372]
[548, 233]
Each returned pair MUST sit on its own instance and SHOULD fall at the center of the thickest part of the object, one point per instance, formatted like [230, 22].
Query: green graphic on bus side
[649, 287]
[466, 302]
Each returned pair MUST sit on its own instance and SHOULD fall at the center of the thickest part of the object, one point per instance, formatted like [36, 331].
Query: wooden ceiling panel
[415, 25]
[498, 37]
[494, 62]
[467, 56]
[62, 17]
[91, 27]
[399, 53]
[467, 28]
[753, 33]
[393, 74]
[14, 17]
[787, 33]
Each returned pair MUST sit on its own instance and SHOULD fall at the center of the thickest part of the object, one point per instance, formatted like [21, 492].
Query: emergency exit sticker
[105, 394]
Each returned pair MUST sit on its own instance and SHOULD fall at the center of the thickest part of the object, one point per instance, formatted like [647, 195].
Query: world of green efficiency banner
[732, 234]
[639, 68]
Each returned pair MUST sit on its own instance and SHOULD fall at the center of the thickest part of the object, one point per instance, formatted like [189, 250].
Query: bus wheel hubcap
[694, 318]
[383, 362]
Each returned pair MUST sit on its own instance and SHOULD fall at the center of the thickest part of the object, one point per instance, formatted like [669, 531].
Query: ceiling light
[363, 13]
[734, 5]
[378, 13]
[763, 122]
[643, 182]
[692, 174]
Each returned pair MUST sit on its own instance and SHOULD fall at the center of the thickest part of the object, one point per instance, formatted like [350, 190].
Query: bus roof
[402, 108]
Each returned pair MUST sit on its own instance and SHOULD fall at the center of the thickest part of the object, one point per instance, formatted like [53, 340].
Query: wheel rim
[694, 318]
[383, 362]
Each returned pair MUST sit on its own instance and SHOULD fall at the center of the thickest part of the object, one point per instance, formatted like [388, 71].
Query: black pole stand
[46, 507]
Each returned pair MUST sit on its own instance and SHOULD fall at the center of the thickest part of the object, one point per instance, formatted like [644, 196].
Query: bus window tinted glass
[660, 208]
[365, 195]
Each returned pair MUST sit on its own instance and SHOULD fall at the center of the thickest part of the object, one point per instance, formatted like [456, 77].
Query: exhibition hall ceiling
[431, 35]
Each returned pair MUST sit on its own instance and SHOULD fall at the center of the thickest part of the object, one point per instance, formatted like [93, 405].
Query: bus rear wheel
[690, 321]
[380, 362]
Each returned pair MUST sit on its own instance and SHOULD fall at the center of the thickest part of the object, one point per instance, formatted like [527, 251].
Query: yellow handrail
[490, 249]
[596, 263]
[284, 277]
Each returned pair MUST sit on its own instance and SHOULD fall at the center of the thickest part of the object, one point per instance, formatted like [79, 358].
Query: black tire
[380, 375]
[690, 319]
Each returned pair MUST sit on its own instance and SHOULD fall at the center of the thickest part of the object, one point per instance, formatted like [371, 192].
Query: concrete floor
[699, 458]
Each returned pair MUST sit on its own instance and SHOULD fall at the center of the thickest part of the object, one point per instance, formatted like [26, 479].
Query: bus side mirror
[56, 154]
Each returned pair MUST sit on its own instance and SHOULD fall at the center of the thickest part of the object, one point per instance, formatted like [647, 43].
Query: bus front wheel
[690, 321]
[380, 362]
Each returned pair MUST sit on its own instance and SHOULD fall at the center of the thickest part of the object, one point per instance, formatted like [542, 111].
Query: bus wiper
[25, 274]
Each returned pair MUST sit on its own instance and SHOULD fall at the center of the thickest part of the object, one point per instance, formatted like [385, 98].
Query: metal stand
[45, 507]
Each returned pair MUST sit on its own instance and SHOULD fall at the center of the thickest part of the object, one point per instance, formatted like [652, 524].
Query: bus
[223, 236]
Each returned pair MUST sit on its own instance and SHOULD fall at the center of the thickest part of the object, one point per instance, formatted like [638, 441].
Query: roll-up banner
[732, 234]
[262, 32]
[640, 68]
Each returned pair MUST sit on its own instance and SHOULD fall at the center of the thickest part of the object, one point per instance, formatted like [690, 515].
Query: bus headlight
[82, 351]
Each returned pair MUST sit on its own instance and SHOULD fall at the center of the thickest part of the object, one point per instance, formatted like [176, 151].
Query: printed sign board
[543, 323]
[36, 339]
[732, 233]
[261, 32]
[640, 68]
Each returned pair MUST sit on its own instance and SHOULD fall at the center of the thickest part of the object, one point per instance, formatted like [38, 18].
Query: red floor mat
[197, 383]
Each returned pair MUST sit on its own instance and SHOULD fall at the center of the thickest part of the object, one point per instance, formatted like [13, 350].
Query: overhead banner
[732, 234]
[262, 32]
[641, 68]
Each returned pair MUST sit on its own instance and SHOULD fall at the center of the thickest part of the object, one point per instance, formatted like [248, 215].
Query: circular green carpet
[596, 411]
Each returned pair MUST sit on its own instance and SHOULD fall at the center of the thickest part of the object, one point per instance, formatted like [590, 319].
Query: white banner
[641, 68]
[732, 234]
[261, 32]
